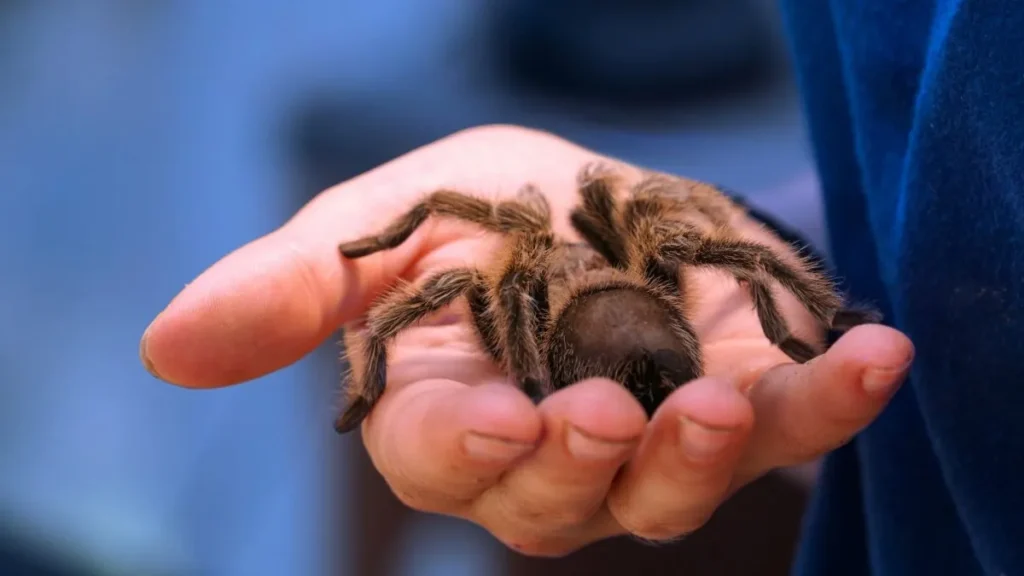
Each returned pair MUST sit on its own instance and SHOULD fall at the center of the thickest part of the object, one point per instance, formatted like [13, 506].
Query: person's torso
[916, 113]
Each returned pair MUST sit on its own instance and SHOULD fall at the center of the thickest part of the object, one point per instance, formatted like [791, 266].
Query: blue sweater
[916, 113]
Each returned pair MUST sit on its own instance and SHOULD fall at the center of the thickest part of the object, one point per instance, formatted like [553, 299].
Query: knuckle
[499, 131]
[524, 517]
[658, 527]
[551, 516]
[538, 546]
[662, 531]
[421, 501]
[410, 499]
[567, 517]
[499, 137]
[660, 541]
[828, 446]
[802, 445]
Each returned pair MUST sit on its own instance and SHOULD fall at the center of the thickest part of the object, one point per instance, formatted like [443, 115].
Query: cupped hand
[451, 436]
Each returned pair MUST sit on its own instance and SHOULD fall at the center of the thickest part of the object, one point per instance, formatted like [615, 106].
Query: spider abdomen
[629, 333]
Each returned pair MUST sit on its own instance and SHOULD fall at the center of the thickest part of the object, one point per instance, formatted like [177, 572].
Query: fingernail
[882, 382]
[588, 447]
[144, 355]
[702, 442]
[494, 449]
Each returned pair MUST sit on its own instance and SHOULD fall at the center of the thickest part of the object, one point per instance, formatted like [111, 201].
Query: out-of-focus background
[142, 141]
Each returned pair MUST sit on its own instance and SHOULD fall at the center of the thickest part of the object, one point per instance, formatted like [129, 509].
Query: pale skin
[450, 434]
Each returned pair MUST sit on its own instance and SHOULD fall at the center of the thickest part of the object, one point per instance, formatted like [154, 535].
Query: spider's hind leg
[757, 265]
[775, 327]
[395, 312]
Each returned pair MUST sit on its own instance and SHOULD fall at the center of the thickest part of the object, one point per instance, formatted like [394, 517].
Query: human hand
[450, 436]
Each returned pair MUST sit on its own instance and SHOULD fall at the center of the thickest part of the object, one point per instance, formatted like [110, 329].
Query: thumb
[274, 300]
[803, 411]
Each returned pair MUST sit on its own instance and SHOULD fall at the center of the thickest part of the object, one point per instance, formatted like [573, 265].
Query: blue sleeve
[916, 113]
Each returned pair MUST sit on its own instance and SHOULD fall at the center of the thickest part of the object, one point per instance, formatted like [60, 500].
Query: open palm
[451, 436]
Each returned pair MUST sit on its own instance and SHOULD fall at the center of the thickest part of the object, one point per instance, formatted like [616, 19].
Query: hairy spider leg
[396, 311]
[522, 310]
[661, 194]
[670, 194]
[596, 218]
[756, 266]
[660, 246]
[439, 203]
[529, 213]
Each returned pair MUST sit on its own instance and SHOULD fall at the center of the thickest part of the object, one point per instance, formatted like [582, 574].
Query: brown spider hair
[552, 312]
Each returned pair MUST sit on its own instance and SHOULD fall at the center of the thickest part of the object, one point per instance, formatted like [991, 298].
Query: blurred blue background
[140, 141]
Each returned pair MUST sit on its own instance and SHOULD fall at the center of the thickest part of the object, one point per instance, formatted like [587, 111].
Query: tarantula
[553, 312]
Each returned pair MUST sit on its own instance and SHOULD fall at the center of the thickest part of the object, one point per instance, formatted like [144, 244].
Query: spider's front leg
[396, 311]
[529, 212]
[596, 219]
[446, 203]
[520, 303]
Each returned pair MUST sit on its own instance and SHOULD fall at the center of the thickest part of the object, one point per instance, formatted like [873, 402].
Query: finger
[683, 468]
[439, 444]
[262, 307]
[590, 430]
[804, 411]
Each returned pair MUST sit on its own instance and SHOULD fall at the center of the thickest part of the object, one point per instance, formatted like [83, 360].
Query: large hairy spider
[552, 312]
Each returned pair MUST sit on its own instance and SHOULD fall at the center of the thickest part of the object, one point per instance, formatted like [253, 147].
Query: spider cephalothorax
[552, 312]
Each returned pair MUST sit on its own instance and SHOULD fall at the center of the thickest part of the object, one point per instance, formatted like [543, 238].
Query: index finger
[274, 300]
